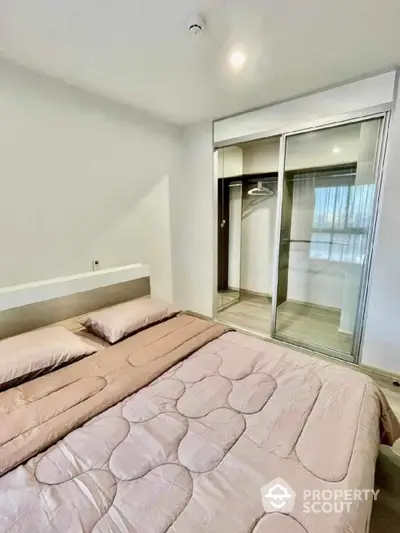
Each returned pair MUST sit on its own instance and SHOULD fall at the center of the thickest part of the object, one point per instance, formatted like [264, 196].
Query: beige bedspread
[38, 413]
[190, 452]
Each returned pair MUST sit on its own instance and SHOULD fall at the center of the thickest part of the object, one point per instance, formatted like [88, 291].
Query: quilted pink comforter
[190, 452]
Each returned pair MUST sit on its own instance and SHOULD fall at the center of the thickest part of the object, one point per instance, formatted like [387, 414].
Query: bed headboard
[57, 300]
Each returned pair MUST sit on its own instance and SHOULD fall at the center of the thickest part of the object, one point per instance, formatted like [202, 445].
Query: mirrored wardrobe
[296, 216]
[247, 212]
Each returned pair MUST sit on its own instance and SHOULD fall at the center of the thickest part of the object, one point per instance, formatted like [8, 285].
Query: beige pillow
[31, 354]
[119, 321]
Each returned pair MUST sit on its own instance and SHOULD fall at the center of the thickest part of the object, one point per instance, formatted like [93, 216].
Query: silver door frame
[385, 115]
[358, 339]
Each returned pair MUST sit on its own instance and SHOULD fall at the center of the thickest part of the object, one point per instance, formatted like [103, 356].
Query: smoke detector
[196, 24]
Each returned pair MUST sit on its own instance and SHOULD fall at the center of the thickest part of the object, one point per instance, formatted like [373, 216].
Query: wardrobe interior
[307, 239]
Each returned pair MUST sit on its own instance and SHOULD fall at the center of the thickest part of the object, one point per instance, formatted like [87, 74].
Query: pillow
[119, 321]
[31, 354]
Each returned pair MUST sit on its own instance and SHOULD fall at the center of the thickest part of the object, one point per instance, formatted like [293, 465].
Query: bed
[178, 428]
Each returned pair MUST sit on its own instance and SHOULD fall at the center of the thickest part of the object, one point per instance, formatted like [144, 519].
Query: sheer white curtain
[342, 216]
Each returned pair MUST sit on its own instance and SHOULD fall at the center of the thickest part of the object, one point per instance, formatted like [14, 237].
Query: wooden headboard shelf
[50, 311]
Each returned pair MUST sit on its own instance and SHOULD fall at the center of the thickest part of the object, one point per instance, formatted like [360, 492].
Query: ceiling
[140, 52]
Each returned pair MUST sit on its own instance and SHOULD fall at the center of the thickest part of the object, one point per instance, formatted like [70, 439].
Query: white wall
[381, 347]
[192, 222]
[235, 236]
[258, 242]
[82, 178]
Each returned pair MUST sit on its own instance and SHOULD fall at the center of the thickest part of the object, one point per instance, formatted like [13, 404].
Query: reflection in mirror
[327, 210]
[247, 206]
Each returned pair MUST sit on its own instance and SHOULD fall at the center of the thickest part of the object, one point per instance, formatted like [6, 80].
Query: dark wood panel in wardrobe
[223, 233]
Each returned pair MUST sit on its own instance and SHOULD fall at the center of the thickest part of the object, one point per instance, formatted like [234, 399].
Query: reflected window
[342, 216]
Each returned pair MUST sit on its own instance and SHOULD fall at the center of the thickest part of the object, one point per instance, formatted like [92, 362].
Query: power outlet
[95, 265]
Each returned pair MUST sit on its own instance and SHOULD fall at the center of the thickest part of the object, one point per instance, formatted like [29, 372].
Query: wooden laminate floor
[297, 321]
[226, 298]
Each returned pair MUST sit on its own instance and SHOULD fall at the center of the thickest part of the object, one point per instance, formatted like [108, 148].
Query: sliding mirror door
[327, 197]
[247, 185]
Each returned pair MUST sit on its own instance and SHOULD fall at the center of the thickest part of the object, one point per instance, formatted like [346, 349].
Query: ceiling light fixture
[336, 150]
[196, 24]
[237, 59]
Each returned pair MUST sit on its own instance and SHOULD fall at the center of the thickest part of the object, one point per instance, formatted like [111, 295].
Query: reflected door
[327, 191]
